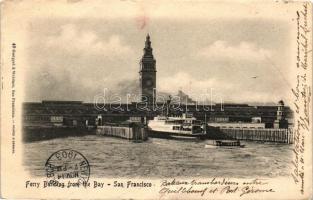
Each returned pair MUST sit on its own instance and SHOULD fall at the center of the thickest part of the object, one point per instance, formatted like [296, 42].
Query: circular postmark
[68, 164]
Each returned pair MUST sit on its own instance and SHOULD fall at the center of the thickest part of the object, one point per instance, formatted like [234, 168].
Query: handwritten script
[301, 95]
[214, 186]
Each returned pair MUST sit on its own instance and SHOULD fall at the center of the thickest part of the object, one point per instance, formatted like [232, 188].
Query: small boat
[224, 143]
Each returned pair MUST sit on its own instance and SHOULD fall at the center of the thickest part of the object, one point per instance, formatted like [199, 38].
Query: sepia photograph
[187, 98]
[160, 99]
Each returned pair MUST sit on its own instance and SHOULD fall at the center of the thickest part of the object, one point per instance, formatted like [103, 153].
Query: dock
[134, 132]
[264, 135]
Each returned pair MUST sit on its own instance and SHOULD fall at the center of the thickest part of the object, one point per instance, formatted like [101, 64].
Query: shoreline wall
[264, 135]
[37, 133]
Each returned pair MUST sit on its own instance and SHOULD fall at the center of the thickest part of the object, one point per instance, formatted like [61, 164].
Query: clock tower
[147, 74]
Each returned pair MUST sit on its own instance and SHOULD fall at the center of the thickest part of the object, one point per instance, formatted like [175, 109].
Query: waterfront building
[76, 113]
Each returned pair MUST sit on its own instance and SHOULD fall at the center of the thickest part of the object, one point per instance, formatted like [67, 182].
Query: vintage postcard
[182, 99]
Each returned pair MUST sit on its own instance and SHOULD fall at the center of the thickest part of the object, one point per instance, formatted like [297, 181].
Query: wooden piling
[135, 132]
[266, 135]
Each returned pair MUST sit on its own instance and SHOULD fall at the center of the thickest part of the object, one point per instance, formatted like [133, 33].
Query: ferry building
[77, 113]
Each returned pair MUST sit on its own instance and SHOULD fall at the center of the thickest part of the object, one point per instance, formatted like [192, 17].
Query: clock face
[148, 83]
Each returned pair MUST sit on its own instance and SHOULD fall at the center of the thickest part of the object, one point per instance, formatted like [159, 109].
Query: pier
[133, 131]
[264, 135]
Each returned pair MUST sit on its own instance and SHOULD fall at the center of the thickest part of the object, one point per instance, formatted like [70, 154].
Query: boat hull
[224, 144]
[171, 135]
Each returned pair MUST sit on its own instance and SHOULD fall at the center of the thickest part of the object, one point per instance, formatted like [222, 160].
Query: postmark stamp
[68, 164]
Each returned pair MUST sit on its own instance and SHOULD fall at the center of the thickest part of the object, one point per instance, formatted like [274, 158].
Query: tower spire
[148, 42]
[147, 51]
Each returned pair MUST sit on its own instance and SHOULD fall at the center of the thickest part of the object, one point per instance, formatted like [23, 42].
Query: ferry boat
[179, 126]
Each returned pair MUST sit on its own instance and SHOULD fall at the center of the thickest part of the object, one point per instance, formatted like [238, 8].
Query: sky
[241, 60]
